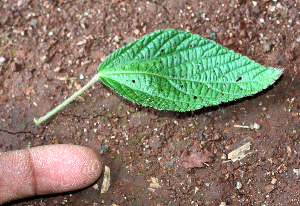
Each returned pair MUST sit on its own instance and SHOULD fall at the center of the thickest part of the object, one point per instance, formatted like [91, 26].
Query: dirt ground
[49, 49]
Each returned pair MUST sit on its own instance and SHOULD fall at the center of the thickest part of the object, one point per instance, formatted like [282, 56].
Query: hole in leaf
[133, 81]
[181, 86]
[174, 45]
[195, 97]
[239, 79]
[182, 76]
[185, 61]
[143, 57]
[161, 90]
[201, 83]
[224, 84]
[184, 94]
[175, 57]
[241, 88]
[224, 76]
[191, 46]
[214, 71]
[222, 93]
[199, 63]
[218, 63]
[195, 45]
[162, 51]
[205, 56]
[161, 61]
[116, 61]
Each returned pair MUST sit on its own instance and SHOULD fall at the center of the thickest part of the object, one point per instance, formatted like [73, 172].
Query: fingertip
[47, 170]
[64, 168]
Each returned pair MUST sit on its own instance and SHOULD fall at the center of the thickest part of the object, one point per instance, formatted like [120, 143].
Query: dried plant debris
[106, 180]
[239, 153]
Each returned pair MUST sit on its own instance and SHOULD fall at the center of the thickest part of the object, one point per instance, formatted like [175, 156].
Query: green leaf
[177, 70]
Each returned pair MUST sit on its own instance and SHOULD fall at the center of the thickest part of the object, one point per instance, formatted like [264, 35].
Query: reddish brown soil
[51, 48]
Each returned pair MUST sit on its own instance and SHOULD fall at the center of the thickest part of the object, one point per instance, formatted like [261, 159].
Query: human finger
[47, 170]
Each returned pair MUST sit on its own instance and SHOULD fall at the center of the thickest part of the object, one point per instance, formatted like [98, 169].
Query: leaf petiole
[67, 101]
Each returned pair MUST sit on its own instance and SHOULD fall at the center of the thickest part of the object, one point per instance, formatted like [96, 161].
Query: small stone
[2, 60]
[203, 143]
[16, 14]
[116, 38]
[297, 172]
[81, 76]
[269, 188]
[267, 47]
[105, 148]
[57, 69]
[96, 187]
[50, 33]
[222, 204]
[223, 157]
[273, 181]
[82, 42]
[212, 35]
[238, 185]
[137, 32]
[33, 22]
[13, 66]
[44, 59]
[255, 126]
[82, 24]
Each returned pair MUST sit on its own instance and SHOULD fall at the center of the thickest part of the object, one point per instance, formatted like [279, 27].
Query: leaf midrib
[172, 78]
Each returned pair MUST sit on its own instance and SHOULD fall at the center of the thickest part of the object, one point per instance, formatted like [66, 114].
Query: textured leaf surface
[177, 70]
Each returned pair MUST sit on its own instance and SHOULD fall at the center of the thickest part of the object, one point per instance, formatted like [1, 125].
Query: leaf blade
[177, 70]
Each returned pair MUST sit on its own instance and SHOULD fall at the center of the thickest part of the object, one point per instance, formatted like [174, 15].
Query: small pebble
[238, 185]
[203, 143]
[273, 181]
[105, 148]
[2, 59]
[33, 22]
[212, 35]
[267, 47]
[224, 157]
[96, 187]
[57, 69]
[137, 32]
[269, 188]
[222, 204]
[116, 38]
[255, 126]
[297, 172]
